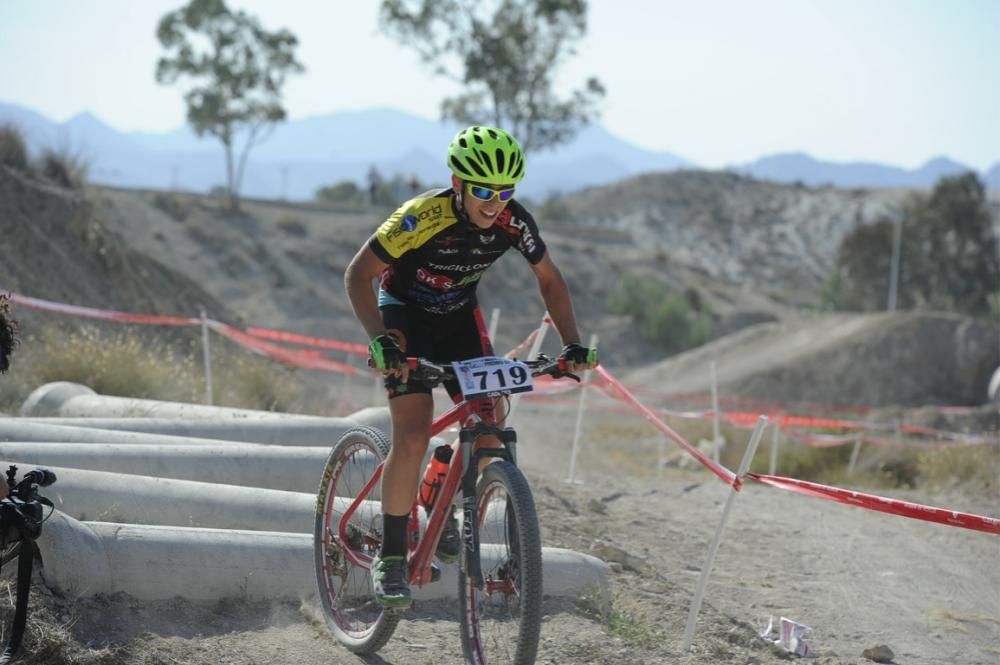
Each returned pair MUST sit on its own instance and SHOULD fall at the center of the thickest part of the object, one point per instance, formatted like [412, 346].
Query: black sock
[394, 534]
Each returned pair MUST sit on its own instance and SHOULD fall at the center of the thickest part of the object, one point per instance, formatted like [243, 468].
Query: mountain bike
[500, 569]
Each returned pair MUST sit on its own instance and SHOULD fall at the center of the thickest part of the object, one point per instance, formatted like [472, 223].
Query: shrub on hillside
[293, 226]
[63, 168]
[663, 318]
[13, 149]
[341, 192]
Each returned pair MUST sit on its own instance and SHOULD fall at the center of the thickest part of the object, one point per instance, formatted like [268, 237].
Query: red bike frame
[469, 412]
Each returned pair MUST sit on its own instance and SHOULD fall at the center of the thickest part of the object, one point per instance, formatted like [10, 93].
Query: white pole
[897, 236]
[535, 346]
[579, 418]
[714, 547]
[775, 442]
[494, 324]
[715, 415]
[854, 457]
[206, 354]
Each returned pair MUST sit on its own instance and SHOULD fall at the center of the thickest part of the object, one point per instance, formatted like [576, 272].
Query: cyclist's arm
[555, 293]
[365, 267]
[4, 489]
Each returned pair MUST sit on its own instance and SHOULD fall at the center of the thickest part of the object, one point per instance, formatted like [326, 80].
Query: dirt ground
[859, 579]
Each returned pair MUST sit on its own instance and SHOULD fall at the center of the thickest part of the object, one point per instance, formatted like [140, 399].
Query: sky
[716, 82]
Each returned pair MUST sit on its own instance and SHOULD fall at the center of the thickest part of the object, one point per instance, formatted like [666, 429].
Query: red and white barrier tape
[106, 314]
[722, 472]
[306, 340]
[313, 360]
[882, 504]
[306, 360]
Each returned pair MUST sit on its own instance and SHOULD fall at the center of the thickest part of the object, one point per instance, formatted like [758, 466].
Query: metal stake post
[715, 416]
[579, 418]
[206, 353]
[714, 547]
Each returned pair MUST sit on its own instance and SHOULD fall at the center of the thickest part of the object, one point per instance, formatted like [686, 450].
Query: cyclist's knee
[411, 443]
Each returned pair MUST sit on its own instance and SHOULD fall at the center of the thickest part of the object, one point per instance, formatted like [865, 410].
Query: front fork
[470, 476]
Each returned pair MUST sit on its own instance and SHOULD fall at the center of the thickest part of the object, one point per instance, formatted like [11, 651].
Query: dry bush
[119, 363]
[252, 382]
[63, 168]
[13, 149]
[293, 226]
[975, 467]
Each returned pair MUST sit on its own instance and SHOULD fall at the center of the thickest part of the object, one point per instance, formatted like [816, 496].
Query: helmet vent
[500, 160]
[458, 166]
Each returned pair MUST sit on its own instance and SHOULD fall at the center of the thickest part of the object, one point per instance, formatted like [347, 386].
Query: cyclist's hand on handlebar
[385, 355]
[578, 357]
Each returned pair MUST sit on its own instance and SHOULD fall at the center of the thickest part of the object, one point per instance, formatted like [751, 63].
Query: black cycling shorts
[439, 338]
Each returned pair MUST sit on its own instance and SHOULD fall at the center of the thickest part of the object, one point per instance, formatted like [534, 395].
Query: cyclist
[428, 256]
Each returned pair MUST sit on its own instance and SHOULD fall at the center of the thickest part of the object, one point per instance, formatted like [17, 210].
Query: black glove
[579, 354]
[384, 353]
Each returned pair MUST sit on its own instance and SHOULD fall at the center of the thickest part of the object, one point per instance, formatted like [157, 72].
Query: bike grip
[41, 477]
[412, 363]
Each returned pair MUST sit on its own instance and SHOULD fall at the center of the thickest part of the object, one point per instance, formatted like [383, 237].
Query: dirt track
[859, 578]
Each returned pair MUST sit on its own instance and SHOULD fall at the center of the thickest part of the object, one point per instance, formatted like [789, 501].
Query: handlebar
[27, 488]
[433, 374]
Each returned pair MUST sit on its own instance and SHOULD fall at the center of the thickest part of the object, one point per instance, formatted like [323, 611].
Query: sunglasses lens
[506, 194]
[481, 193]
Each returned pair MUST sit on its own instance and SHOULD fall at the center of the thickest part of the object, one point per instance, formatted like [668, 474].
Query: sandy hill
[752, 251]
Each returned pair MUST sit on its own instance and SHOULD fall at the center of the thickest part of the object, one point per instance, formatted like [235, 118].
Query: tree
[508, 58]
[862, 277]
[952, 248]
[238, 70]
[949, 255]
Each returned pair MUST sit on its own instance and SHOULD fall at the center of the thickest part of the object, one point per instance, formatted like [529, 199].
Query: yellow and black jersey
[436, 257]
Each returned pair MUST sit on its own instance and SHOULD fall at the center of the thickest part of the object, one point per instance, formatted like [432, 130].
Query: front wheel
[501, 621]
[352, 614]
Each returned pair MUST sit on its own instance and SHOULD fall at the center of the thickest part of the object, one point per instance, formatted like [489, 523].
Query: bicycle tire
[503, 626]
[350, 610]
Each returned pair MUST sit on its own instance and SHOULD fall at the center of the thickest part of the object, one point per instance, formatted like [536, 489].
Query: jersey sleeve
[525, 233]
[411, 225]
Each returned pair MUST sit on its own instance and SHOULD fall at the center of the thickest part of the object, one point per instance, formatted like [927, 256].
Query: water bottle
[434, 475]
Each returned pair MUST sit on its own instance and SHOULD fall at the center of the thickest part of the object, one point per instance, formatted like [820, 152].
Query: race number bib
[492, 376]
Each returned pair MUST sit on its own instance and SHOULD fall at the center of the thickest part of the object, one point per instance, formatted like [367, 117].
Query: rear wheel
[352, 614]
[501, 622]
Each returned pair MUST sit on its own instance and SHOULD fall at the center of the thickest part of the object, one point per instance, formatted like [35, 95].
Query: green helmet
[488, 155]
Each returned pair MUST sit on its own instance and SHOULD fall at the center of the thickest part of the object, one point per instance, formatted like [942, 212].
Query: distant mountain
[799, 167]
[302, 155]
[992, 177]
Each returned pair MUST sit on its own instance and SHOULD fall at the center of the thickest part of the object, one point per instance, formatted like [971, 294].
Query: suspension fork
[470, 475]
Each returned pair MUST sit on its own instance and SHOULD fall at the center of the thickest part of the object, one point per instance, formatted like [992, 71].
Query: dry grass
[632, 447]
[124, 363]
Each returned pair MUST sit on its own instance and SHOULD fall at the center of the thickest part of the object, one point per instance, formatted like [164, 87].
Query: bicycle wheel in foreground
[501, 622]
[352, 614]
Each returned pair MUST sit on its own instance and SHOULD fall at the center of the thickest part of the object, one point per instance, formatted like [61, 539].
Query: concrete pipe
[59, 430]
[46, 400]
[159, 562]
[62, 399]
[292, 469]
[323, 432]
[129, 499]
